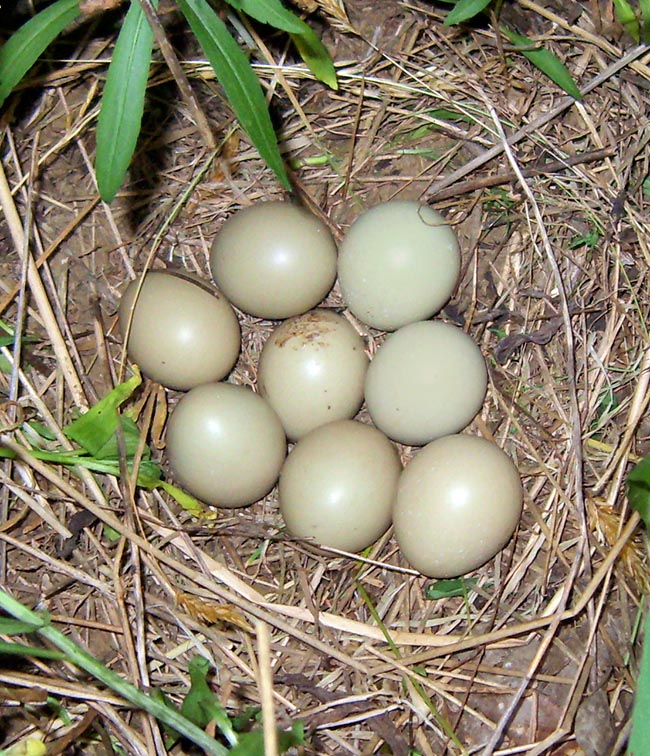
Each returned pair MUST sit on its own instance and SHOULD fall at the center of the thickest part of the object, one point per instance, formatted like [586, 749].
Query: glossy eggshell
[338, 485]
[274, 260]
[312, 370]
[398, 263]
[183, 333]
[459, 501]
[426, 380]
[225, 444]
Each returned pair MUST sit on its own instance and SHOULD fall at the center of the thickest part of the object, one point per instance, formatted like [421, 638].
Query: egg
[459, 501]
[274, 260]
[426, 380]
[225, 444]
[312, 370]
[398, 263]
[182, 333]
[338, 485]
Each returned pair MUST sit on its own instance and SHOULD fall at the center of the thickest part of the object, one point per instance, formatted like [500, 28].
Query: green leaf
[238, 80]
[189, 503]
[130, 434]
[120, 118]
[638, 482]
[20, 649]
[315, 55]
[627, 18]
[9, 626]
[26, 45]
[546, 61]
[252, 743]
[270, 12]
[639, 743]
[95, 428]
[449, 588]
[201, 706]
[464, 10]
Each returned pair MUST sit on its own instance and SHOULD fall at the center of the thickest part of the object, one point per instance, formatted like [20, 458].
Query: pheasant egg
[398, 263]
[274, 260]
[459, 501]
[182, 333]
[312, 370]
[225, 444]
[338, 485]
[426, 380]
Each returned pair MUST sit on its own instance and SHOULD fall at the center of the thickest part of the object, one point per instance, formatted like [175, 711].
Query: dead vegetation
[550, 200]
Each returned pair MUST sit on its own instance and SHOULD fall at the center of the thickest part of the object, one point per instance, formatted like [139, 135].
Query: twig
[507, 177]
[536, 125]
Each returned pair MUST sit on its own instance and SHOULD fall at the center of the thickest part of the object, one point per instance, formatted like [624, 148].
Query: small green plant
[102, 434]
[123, 100]
[636, 22]
[639, 498]
[542, 58]
[199, 708]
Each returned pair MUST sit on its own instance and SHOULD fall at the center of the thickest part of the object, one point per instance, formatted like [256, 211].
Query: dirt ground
[549, 198]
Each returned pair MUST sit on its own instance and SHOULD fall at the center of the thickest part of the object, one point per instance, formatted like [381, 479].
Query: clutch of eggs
[456, 503]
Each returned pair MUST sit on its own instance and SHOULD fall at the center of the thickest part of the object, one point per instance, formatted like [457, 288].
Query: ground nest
[548, 197]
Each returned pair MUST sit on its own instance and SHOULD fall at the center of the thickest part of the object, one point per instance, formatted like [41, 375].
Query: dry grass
[547, 197]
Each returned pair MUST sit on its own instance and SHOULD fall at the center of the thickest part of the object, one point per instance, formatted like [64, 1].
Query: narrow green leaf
[27, 44]
[639, 743]
[546, 61]
[120, 118]
[270, 12]
[9, 626]
[315, 55]
[627, 18]
[94, 429]
[449, 588]
[464, 10]
[188, 502]
[201, 706]
[239, 81]
[638, 482]
[131, 436]
[307, 42]
[252, 743]
[20, 649]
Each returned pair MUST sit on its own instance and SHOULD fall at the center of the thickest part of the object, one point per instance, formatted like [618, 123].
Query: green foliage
[123, 101]
[639, 497]
[101, 433]
[544, 60]
[201, 707]
[120, 118]
[638, 482]
[238, 80]
[464, 10]
[26, 46]
[451, 588]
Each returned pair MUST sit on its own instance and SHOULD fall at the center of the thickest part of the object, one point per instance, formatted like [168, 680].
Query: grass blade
[638, 482]
[26, 45]
[270, 12]
[639, 744]
[81, 658]
[238, 80]
[311, 49]
[627, 18]
[464, 10]
[120, 118]
[315, 55]
[546, 61]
